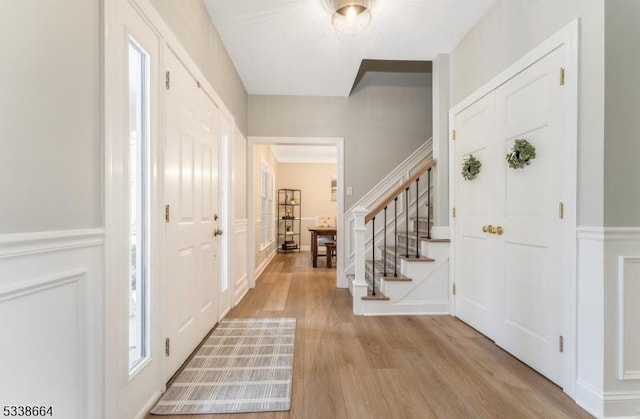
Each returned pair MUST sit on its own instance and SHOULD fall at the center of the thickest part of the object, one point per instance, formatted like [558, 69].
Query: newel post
[359, 283]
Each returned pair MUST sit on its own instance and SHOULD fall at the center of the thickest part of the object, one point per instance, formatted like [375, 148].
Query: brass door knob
[500, 230]
[492, 229]
[485, 229]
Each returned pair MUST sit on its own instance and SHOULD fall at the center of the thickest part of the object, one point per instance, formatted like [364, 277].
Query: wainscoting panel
[608, 342]
[628, 318]
[622, 321]
[51, 316]
[239, 261]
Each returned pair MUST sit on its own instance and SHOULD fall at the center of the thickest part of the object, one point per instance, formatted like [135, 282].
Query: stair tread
[400, 278]
[412, 235]
[378, 296]
[413, 258]
[389, 276]
[432, 240]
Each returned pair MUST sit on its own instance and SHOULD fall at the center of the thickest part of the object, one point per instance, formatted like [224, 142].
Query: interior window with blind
[266, 206]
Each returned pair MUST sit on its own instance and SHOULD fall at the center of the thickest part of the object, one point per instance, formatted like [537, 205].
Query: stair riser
[435, 250]
[415, 269]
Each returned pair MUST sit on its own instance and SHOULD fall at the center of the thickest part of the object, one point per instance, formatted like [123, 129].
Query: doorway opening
[314, 147]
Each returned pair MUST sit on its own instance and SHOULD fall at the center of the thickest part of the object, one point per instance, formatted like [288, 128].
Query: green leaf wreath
[521, 154]
[471, 167]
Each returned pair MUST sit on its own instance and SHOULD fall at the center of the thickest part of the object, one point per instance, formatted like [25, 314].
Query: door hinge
[454, 289]
[561, 76]
[167, 80]
[453, 135]
[561, 343]
[453, 212]
[561, 210]
[167, 213]
[167, 344]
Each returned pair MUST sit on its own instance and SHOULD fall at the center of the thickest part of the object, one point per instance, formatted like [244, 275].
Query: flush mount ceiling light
[350, 16]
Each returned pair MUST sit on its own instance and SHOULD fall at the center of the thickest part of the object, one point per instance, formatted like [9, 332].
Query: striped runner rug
[246, 365]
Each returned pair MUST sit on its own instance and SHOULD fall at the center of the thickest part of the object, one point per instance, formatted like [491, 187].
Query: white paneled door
[476, 202]
[530, 106]
[191, 191]
[510, 234]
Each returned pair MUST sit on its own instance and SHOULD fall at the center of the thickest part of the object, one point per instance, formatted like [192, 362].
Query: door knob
[500, 230]
[485, 229]
[217, 232]
[492, 229]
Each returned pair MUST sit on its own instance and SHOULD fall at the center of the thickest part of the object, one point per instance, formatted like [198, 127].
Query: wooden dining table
[315, 233]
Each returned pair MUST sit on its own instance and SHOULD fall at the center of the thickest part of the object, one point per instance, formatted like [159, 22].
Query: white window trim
[270, 190]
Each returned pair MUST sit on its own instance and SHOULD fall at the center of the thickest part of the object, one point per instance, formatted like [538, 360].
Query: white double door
[191, 265]
[510, 286]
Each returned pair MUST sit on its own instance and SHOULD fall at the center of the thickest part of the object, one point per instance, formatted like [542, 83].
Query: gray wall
[382, 124]
[509, 30]
[50, 115]
[191, 24]
[622, 114]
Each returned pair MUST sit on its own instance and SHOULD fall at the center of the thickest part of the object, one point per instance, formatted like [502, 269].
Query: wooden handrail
[421, 170]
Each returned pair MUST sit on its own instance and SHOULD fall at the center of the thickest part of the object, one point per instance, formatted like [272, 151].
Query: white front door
[530, 106]
[509, 281]
[191, 177]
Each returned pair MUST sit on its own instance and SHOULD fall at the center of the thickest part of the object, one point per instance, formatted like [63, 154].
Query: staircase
[401, 267]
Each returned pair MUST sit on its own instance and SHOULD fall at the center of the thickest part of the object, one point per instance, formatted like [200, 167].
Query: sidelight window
[138, 176]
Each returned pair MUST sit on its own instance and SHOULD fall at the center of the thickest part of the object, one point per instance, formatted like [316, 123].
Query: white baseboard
[148, 405]
[383, 308]
[239, 298]
[589, 399]
[622, 405]
[265, 263]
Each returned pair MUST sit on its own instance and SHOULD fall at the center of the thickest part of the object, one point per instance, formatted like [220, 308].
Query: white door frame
[124, 393]
[226, 161]
[569, 38]
[338, 142]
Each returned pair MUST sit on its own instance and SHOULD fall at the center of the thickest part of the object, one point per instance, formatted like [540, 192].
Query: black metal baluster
[395, 237]
[406, 221]
[373, 252]
[384, 250]
[417, 220]
[429, 204]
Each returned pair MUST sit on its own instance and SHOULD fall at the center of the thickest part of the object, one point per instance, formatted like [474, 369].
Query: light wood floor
[389, 367]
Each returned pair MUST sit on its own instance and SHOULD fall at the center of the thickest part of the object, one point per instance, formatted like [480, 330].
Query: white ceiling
[305, 153]
[288, 47]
